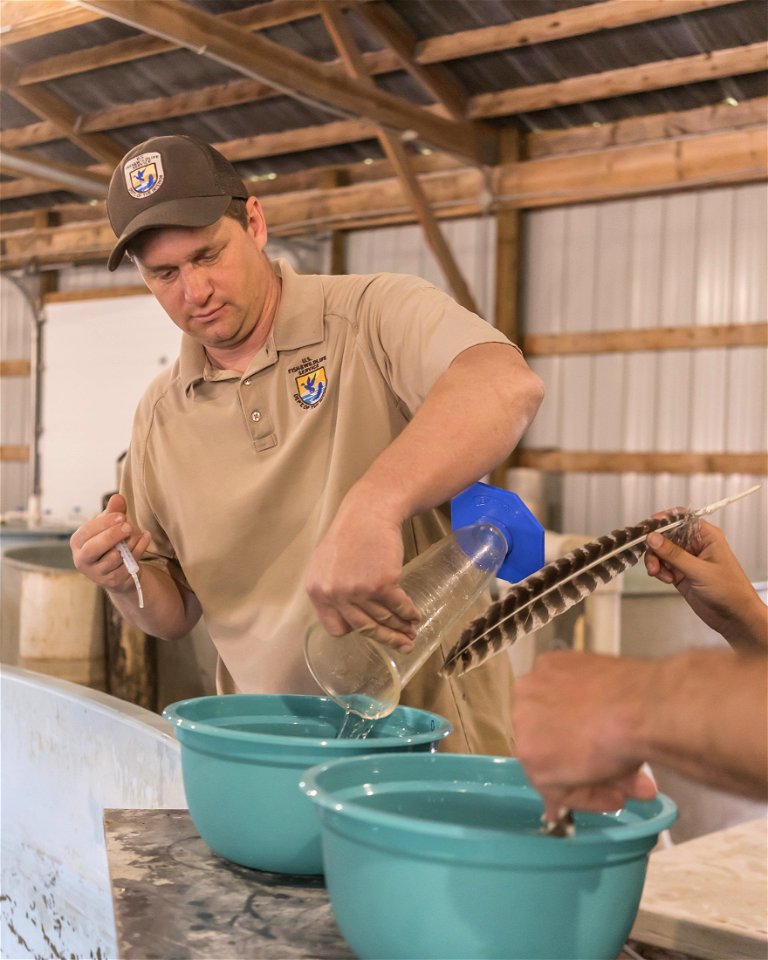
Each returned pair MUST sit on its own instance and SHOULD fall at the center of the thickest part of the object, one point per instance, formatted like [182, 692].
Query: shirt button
[247, 382]
[256, 416]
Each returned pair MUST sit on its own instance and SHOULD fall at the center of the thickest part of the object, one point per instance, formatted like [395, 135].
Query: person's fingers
[115, 504]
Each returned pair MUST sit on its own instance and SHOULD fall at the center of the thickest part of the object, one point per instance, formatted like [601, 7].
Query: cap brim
[189, 212]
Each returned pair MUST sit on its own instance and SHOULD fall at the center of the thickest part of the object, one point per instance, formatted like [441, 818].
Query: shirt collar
[298, 323]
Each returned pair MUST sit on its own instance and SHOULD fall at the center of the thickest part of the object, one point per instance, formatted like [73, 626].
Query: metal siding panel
[750, 254]
[576, 403]
[544, 271]
[746, 413]
[708, 399]
[641, 401]
[678, 275]
[714, 241]
[581, 258]
[545, 430]
[645, 266]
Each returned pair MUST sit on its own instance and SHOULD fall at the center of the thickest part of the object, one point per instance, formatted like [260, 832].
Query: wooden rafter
[334, 21]
[634, 80]
[36, 18]
[700, 161]
[649, 338]
[587, 461]
[575, 22]
[434, 78]
[53, 110]
[578, 21]
[296, 75]
[658, 75]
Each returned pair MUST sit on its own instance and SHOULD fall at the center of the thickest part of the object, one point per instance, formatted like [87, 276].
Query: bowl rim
[171, 713]
[654, 824]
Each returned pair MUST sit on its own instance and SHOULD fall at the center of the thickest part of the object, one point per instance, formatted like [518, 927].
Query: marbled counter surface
[173, 898]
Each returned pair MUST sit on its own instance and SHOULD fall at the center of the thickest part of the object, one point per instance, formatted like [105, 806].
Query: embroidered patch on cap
[144, 174]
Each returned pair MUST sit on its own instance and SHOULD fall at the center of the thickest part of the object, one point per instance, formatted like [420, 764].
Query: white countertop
[708, 897]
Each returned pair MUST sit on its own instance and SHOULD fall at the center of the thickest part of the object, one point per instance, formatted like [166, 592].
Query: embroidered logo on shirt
[311, 382]
[144, 174]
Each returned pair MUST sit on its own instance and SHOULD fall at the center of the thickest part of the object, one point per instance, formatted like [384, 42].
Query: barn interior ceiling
[343, 114]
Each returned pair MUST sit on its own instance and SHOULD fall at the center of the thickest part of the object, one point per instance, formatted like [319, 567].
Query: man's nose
[196, 284]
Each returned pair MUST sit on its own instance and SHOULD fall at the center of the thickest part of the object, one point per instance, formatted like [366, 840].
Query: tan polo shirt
[237, 477]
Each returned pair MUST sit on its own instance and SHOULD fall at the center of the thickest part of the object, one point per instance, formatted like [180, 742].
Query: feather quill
[558, 585]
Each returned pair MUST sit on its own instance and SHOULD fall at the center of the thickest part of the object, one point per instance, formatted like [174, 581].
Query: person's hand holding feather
[712, 582]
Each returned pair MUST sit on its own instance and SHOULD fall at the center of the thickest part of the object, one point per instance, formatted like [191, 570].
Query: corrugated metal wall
[404, 250]
[679, 260]
[685, 260]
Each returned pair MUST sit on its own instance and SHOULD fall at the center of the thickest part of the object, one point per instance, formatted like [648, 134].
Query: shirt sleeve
[414, 331]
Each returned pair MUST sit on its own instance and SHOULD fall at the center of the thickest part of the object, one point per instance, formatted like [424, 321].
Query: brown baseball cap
[173, 181]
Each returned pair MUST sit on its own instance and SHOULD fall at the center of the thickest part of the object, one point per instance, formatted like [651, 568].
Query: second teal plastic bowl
[243, 755]
[442, 856]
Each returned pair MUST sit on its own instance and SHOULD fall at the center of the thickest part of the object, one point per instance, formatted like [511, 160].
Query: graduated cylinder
[365, 676]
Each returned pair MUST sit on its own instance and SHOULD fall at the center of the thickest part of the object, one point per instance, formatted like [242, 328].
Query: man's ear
[257, 225]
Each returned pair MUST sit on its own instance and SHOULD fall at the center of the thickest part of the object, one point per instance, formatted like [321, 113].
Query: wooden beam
[337, 27]
[257, 17]
[508, 274]
[244, 91]
[97, 293]
[736, 156]
[55, 111]
[713, 160]
[652, 338]
[573, 461]
[434, 78]
[575, 22]
[14, 453]
[626, 80]
[36, 18]
[296, 75]
[657, 126]
[15, 368]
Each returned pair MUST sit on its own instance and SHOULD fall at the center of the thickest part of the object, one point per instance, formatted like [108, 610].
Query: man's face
[213, 282]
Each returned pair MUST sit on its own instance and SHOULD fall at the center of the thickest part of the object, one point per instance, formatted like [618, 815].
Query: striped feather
[529, 605]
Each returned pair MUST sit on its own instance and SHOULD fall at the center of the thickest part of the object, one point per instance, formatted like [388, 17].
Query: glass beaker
[365, 676]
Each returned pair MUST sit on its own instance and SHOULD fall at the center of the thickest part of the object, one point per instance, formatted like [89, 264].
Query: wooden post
[508, 260]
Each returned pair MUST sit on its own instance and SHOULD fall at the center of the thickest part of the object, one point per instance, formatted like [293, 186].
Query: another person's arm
[585, 723]
[170, 610]
[472, 418]
[713, 583]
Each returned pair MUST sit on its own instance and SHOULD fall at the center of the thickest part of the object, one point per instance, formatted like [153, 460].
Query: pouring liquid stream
[354, 726]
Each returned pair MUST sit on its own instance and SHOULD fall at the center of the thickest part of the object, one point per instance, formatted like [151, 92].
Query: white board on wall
[99, 355]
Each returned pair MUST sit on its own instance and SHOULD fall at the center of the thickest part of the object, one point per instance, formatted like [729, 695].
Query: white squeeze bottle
[494, 535]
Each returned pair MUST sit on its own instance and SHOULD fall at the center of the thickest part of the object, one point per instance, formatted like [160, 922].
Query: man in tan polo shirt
[293, 457]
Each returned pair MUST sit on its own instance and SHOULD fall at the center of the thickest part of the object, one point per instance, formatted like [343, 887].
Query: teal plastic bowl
[442, 856]
[243, 755]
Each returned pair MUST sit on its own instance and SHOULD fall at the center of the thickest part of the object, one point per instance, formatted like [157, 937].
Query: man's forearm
[710, 720]
[169, 612]
[471, 420]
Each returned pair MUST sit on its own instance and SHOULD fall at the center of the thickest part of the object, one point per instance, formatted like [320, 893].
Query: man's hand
[352, 579]
[94, 547]
[575, 720]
